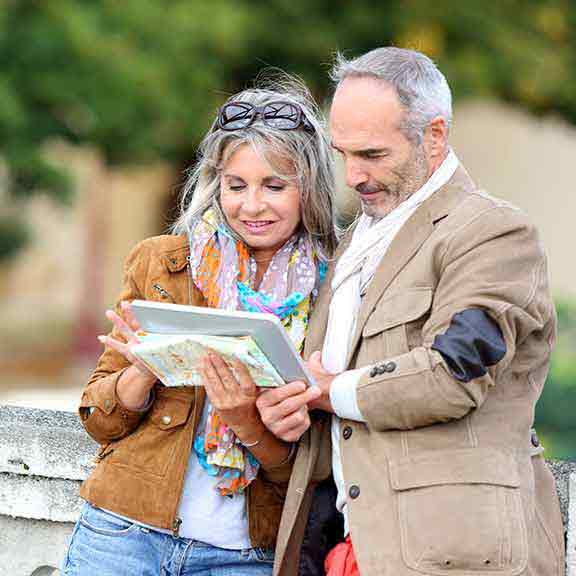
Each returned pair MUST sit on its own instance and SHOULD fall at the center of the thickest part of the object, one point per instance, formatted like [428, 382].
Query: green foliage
[140, 79]
[13, 236]
[556, 409]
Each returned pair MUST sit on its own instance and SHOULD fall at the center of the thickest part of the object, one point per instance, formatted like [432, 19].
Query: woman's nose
[253, 202]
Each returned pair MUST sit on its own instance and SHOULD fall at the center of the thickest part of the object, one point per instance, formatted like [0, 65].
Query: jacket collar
[176, 255]
[406, 243]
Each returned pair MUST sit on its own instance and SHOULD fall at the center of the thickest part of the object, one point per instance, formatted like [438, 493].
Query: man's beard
[407, 179]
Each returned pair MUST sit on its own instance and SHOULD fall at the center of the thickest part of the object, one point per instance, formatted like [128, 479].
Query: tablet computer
[266, 330]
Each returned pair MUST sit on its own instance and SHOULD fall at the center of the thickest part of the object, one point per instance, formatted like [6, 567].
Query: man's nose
[355, 175]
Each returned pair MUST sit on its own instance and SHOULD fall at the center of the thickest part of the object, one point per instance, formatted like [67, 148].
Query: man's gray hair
[306, 155]
[422, 89]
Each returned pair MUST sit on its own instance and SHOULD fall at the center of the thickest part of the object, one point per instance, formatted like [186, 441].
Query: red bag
[341, 560]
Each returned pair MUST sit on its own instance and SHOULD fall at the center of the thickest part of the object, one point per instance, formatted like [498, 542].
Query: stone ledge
[571, 528]
[564, 472]
[44, 443]
[39, 498]
[44, 456]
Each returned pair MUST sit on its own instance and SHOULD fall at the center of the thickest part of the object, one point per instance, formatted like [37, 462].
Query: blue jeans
[104, 545]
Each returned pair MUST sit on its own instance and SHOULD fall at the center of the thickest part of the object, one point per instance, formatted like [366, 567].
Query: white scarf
[356, 267]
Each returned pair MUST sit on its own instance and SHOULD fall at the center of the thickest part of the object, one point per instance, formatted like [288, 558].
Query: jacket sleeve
[101, 412]
[491, 296]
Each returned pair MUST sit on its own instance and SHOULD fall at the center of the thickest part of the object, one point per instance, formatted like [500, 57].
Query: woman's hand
[134, 385]
[233, 396]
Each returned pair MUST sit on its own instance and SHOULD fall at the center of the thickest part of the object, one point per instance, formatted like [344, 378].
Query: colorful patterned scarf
[224, 271]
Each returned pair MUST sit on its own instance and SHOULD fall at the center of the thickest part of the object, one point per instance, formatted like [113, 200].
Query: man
[430, 344]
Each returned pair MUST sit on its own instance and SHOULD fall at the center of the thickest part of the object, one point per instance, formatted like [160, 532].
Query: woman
[188, 484]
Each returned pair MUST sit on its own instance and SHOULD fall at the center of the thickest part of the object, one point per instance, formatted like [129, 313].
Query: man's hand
[323, 380]
[284, 410]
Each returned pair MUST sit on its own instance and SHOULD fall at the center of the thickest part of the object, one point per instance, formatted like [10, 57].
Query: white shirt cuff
[343, 394]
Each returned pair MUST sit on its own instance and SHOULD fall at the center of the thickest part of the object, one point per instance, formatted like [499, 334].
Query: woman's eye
[276, 187]
[236, 187]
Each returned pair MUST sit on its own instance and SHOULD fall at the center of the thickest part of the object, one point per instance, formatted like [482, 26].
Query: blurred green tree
[555, 410]
[140, 79]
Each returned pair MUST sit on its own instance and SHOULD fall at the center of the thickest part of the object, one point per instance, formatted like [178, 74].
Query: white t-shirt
[206, 515]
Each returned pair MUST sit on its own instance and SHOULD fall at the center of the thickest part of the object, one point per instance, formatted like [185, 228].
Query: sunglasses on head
[281, 115]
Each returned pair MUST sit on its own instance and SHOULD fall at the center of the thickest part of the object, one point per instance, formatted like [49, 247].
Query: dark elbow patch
[472, 343]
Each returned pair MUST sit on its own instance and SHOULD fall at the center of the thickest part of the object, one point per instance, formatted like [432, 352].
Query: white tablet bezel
[266, 329]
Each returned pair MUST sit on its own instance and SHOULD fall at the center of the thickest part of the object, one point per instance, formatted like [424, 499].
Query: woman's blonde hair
[308, 152]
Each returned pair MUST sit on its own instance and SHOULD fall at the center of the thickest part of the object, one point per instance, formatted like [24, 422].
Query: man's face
[382, 165]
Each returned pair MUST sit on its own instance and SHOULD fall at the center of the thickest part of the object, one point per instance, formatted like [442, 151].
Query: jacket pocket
[460, 512]
[395, 326]
[153, 447]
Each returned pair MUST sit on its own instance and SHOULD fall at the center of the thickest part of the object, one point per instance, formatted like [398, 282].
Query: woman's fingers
[247, 385]
[226, 377]
[211, 379]
[120, 325]
[120, 347]
[129, 316]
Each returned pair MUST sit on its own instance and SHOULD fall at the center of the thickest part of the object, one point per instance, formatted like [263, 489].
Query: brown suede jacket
[143, 456]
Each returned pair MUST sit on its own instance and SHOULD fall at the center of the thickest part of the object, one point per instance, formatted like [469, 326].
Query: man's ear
[436, 139]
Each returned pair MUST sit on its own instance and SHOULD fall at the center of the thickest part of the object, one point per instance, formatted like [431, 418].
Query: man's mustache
[367, 188]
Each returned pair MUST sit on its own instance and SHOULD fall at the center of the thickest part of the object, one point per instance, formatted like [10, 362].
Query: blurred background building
[103, 103]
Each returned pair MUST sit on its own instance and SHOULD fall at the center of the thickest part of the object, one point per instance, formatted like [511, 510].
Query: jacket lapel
[319, 317]
[406, 243]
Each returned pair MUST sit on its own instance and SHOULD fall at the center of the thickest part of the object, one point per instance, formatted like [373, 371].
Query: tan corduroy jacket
[443, 478]
[144, 455]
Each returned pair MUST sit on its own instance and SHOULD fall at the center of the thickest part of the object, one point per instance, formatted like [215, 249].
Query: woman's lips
[257, 226]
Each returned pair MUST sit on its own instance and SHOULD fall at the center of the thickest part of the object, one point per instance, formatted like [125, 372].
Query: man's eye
[372, 155]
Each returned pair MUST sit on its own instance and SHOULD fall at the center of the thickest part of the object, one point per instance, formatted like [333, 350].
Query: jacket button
[534, 439]
[390, 366]
[166, 419]
[374, 372]
[347, 432]
[354, 491]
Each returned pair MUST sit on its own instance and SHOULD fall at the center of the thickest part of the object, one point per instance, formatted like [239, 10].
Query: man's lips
[371, 195]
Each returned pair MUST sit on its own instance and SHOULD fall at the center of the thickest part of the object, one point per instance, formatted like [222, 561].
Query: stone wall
[45, 454]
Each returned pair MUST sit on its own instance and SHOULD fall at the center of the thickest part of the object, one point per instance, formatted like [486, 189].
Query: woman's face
[261, 207]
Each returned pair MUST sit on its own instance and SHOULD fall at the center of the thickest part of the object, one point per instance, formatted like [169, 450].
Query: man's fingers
[293, 426]
[278, 395]
[290, 404]
[291, 413]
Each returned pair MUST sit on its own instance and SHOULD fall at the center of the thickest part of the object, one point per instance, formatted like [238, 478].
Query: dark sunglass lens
[236, 115]
[282, 115]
